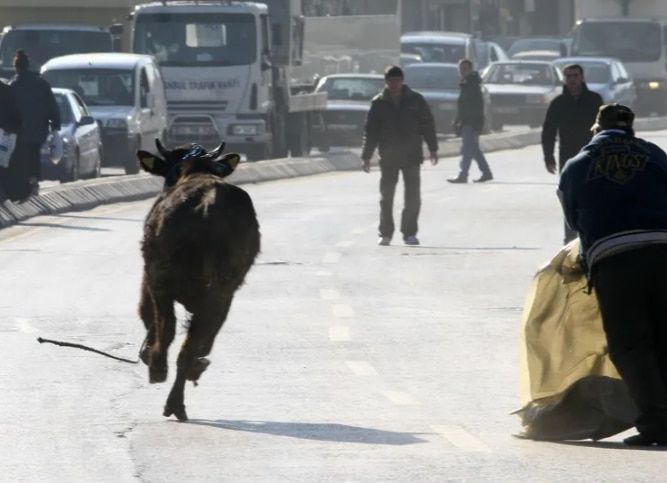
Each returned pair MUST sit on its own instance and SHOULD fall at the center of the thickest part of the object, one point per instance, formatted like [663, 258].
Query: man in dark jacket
[469, 123]
[614, 194]
[570, 117]
[39, 111]
[10, 121]
[398, 122]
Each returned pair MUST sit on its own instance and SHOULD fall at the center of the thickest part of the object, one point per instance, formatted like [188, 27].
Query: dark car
[82, 141]
[439, 84]
[349, 100]
[521, 91]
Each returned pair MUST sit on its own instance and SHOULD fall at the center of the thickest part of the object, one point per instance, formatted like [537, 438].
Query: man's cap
[613, 116]
[393, 71]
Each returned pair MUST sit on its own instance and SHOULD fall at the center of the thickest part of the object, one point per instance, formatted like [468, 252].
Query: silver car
[82, 141]
[606, 76]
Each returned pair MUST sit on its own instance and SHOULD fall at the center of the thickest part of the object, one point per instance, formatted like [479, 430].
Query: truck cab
[226, 69]
[640, 43]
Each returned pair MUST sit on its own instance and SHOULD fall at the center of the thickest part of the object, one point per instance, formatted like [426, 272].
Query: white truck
[227, 68]
[634, 31]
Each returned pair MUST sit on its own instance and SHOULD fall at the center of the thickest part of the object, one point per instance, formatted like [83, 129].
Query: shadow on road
[104, 218]
[67, 227]
[609, 445]
[470, 249]
[341, 433]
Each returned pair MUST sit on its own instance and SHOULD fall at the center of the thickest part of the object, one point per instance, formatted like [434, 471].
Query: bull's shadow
[332, 432]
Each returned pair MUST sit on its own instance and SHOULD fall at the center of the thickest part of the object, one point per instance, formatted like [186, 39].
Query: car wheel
[496, 125]
[324, 149]
[98, 163]
[131, 160]
[73, 173]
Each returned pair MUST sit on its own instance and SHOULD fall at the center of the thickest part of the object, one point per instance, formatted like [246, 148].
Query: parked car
[488, 52]
[82, 141]
[441, 47]
[553, 44]
[606, 76]
[349, 100]
[521, 91]
[125, 94]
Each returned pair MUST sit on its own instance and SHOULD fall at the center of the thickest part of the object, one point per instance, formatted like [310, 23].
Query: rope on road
[85, 348]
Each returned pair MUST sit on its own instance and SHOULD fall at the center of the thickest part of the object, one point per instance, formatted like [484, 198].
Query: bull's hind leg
[204, 326]
[147, 314]
[165, 330]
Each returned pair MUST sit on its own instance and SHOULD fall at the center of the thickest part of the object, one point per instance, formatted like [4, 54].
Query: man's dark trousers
[412, 199]
[570, 234]
[631, 288]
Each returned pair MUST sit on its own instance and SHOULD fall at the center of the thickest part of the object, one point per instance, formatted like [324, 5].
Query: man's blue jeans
[470, 150]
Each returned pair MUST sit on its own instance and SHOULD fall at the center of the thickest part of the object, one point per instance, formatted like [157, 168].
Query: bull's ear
[227, 164]
[151, 163]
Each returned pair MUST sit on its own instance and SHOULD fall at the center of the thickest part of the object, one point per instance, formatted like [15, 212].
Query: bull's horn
[217, 151]
[163, 151]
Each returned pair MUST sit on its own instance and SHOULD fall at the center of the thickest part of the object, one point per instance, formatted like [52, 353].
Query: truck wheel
[297, 140]
[259, 154]
[279, 147]
[496, 125]
[131, 162]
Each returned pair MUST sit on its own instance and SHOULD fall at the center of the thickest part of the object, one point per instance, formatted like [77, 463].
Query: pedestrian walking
[614, 194]
[39, 112]
[10, 121]
[569, 117]
[469, 123]
[398, 123]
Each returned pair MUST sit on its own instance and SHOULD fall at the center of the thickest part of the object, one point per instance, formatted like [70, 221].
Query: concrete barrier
[84, 195]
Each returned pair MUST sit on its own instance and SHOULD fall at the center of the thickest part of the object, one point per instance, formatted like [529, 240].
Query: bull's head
[188, 159]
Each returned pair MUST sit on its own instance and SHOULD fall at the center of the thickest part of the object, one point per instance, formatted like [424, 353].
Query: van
[125, 94]
[439, 47]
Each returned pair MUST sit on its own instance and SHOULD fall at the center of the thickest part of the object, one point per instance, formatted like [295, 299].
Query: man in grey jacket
[39, 112]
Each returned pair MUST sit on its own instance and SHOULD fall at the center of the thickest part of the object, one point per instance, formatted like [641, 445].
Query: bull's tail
[85, 348]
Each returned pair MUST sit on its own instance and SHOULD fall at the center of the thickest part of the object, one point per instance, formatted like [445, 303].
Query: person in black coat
[39, 113]
[10, 122]
[569, 117]
[398, 123]
[469, 123]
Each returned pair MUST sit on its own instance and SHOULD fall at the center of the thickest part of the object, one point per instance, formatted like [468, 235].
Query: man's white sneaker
[411, 240]
[384, 241]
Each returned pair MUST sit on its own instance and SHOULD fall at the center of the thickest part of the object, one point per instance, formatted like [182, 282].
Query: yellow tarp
[562, 339]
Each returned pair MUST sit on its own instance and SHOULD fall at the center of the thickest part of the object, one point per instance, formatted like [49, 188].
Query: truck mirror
[116, 29]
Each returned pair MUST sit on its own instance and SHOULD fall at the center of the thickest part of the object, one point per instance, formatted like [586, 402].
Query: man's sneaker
[411, 240]
[484, 178]
[458, 180]
[384, 241]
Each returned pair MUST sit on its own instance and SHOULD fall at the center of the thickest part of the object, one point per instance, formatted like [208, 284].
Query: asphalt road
[340, 360]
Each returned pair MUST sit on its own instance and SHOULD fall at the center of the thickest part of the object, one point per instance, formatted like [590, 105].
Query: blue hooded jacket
[614, 194]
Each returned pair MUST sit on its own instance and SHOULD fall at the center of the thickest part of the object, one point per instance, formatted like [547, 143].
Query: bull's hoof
[156, 375]
[197, 368]
[144, 355]
[176, 410]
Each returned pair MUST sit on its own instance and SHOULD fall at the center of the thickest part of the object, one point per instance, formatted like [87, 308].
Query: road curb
[84, 195]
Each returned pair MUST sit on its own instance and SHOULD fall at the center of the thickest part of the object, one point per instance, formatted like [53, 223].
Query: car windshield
[523, 45]
[432, 77]
[351, 89]
[197, 39]
[524, 74]
[432, 52]
[63, 107]
[594, 72]
[42, 45]
[627, 41]
[97, 87]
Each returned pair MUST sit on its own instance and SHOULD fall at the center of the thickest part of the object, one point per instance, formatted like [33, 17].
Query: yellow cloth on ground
[562, 339]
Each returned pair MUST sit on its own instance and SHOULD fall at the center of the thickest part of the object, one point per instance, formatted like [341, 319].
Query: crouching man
[614, 194]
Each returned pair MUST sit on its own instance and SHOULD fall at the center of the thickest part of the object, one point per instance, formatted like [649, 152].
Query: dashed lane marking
[342, 311]
[361, 368]
[324, 273]
[329, 294]
[24, 326]
[401, 398]
[331, 257]
[339, 333]
[460, 438]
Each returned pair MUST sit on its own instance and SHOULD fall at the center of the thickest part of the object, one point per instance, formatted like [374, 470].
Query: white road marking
[401, 398]
[339, 333]
[331, 257]
[344, 244]
[361, 368]
[324, 273]
[329, 294]
[342, 311]
[24, 326]
[462, 439]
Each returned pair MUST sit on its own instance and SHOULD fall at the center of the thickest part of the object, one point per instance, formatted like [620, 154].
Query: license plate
[507, 110]
[342, 127]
